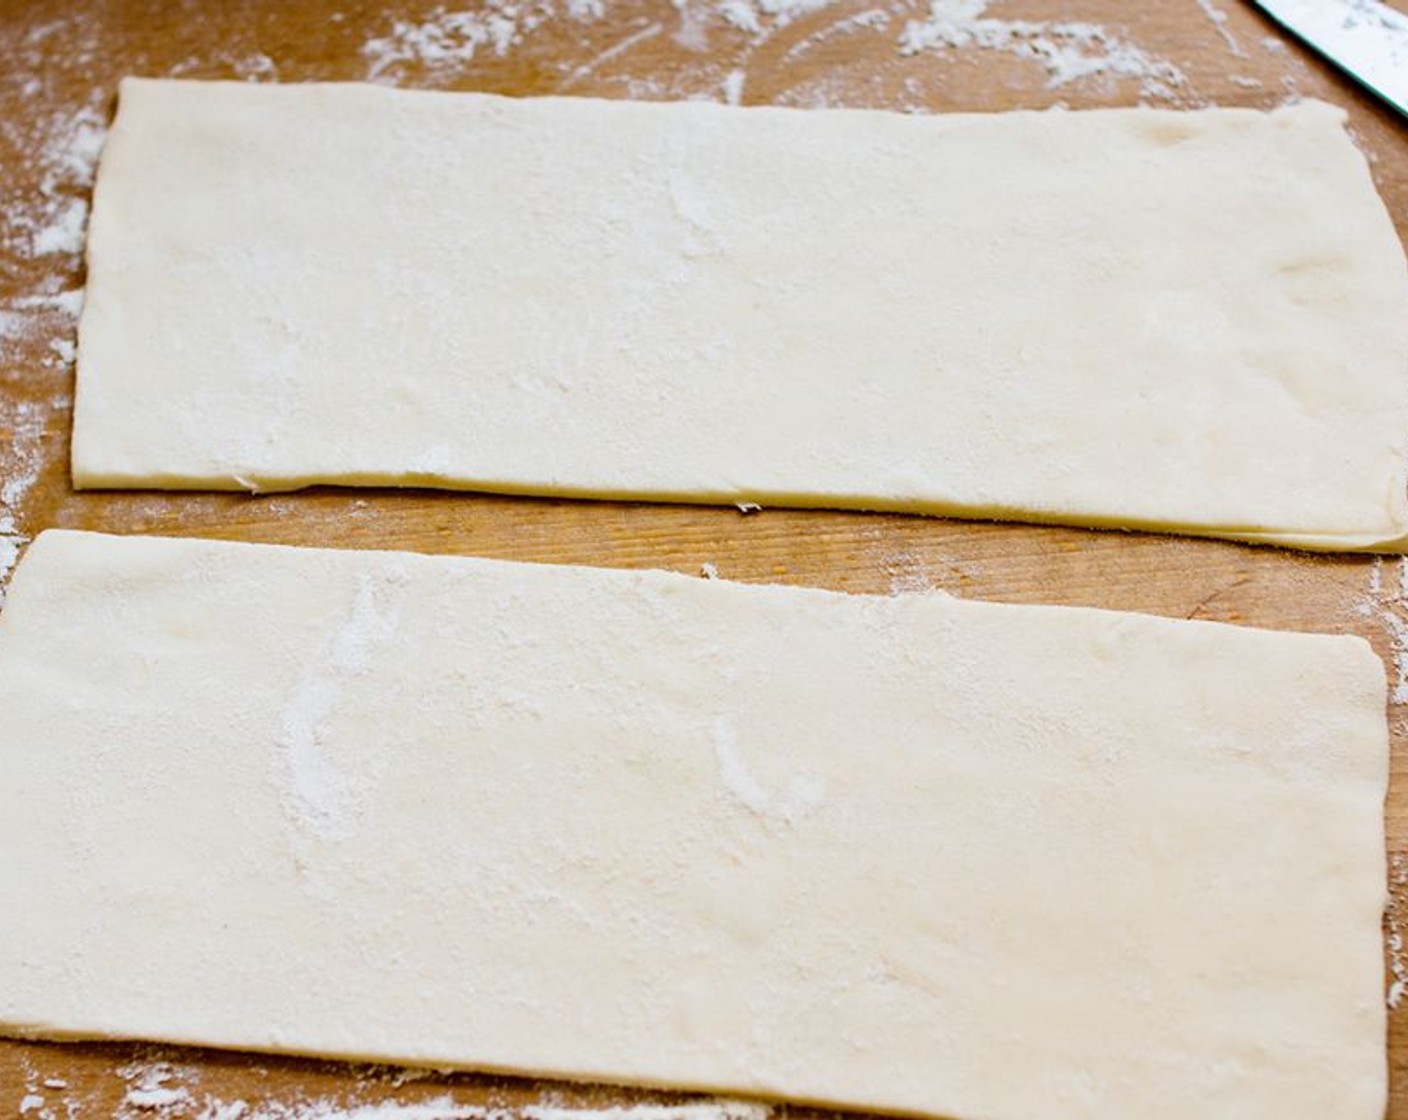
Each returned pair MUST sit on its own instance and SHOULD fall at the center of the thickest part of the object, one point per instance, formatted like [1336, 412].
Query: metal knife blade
[1364, 38]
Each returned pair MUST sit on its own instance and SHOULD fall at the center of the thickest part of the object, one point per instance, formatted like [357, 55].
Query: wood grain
[58, 59]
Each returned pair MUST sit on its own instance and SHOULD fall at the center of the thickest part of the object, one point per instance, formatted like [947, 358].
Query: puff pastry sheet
[1193, 321]
[910, 854]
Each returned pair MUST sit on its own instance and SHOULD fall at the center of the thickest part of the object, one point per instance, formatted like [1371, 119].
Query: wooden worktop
[59, 67]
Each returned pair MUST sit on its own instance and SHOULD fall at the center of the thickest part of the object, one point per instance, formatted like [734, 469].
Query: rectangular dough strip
[1187, 321]
[910, 854]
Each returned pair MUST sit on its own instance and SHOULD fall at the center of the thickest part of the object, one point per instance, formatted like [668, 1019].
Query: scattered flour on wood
[23, 424]
[872, 20]
[1068, 50]
[733, 86]
[158, 1098]
[253, 67]
[50, 220]
[10, 544]
[49, 318]
[586, 69]
[764, 18]
[693, 30]
[44, 211]
[907, 573]
[1387, 604]
[1385, 601]
[1218, 18]
[453, 37]
[43, 219]
[160, 1091]
[438, 1108]
[1398, 967]
[46, 224]
[438, 48]
[406, 1075]
[702, 1110]
[154, 1087]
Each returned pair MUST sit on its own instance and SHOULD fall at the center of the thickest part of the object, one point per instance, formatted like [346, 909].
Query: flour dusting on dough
[734, 771]
[803, 796]
[325, 798]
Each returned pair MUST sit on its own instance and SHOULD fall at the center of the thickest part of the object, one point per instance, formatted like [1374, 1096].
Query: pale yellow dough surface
[1190, 321]
[910, 854]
